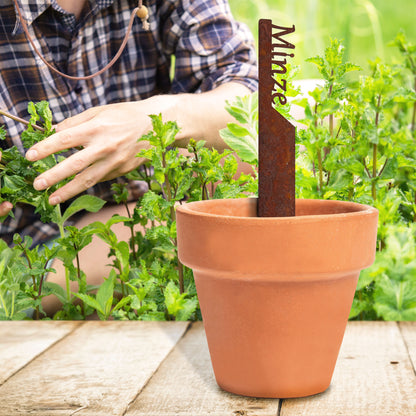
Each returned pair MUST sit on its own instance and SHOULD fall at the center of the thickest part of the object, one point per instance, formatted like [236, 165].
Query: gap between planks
[408, 332]
[21, 342]
[161, 363]
[374, 375]
[96, 371]
[184, 385]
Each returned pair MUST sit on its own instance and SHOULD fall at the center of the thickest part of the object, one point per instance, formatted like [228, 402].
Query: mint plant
[146, 280]
[16, 186]
[160, 287]
[357, 145]
[242, 137]
[387, 289]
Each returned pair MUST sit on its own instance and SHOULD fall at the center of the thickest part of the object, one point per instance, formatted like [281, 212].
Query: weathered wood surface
[374, 376]
[408, 330]
[96, 370]
[185, 385]
[22, 341]
[163, 369]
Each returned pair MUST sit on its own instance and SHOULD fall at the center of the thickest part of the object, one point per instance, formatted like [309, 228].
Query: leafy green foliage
[357, 145]
[32, 264]
[392, 278]
[146, 280]
[242, 137]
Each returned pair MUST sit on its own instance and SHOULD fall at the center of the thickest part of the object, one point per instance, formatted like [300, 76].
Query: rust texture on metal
[276, 133]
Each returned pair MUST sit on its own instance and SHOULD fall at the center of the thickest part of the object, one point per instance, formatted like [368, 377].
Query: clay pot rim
[359, 210]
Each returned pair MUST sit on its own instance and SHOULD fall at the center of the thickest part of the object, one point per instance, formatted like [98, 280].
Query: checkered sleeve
[210, 47]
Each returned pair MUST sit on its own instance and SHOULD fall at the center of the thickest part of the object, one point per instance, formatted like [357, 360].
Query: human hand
[108, 136]
[5, 207]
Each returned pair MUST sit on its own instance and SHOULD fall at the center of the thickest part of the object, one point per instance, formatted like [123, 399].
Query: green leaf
[105, 295]
[57, 290]
[395, 301]
[44, 111]
[237, 130]
[238, 113]
[188, 309]
[390, 169]
[89, 203]
[245, 147]
[122, 251]
[90, 301]
[122, 303]
[174, 301]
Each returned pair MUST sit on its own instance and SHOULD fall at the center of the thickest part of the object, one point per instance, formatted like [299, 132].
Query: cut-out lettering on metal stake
[276, 134]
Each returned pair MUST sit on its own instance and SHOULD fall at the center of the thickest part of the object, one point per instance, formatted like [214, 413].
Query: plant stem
[13, 299]
[132, 244]
[321, 173]
[375, 147]
[413, 125]
[62, 234]
[374, 174]
[205, 195]
[35, 287]
[79, 277]
[6, 311]
[399, 296]
[173, 219]
[413, 69]
[21, 120]
[181, 280]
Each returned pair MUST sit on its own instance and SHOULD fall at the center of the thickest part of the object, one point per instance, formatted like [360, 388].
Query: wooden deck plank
[22, 341]
[408, 330]
[96, 371]
[184, 385]
[373, 377]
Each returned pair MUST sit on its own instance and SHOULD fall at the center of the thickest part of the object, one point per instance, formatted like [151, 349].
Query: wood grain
[373, 377]
[185, 385]
[22, 341]
[153, 369]
[97, 370]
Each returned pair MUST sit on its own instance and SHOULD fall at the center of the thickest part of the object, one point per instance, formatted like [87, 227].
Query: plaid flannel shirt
[209, 46]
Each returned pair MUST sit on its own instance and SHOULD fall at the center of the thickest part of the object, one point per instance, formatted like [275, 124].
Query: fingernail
[54, 200]
[31, 155]
[40, 184]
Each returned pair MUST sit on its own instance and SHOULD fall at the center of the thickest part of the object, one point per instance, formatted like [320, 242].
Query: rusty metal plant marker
[276, 134]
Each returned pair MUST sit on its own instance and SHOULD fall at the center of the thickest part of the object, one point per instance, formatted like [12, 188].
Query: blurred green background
[365, 26]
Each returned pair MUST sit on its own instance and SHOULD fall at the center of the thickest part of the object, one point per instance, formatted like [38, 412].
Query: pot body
[275, 293]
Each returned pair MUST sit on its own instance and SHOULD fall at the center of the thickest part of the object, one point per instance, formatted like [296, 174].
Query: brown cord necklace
[140, 11]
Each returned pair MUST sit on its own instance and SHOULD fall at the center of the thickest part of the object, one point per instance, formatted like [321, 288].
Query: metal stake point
[276, 134]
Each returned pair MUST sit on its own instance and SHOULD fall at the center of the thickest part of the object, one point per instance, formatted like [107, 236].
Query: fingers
[84, 180]
[108, 136]
[57, 142]
[78, 119]
[5, 208]
[100, 171]
[65, 169]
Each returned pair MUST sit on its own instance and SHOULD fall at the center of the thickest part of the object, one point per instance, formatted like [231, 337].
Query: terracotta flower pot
[275, 293]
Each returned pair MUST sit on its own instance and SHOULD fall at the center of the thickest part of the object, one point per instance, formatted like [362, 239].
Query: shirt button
[78, 89]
